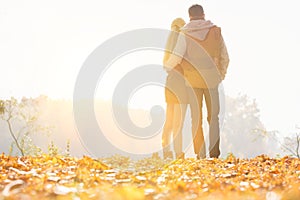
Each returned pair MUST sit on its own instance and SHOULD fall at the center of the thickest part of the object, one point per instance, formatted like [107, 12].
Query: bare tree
[292, 144]
[21, 118]
[8, 113]
[288, 144]
[241, 118]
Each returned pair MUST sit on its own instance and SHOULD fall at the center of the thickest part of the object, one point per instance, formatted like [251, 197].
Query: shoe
[168, 155]
[214, 154]
[155, 155]
[200, 157]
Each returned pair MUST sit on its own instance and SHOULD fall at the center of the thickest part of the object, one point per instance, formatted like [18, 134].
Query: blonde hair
[176, 25]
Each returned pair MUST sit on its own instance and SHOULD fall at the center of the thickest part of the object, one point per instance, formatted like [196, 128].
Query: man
[202, 52]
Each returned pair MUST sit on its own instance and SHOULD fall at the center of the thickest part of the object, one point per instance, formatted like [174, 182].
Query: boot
[168, 155]
[201, 156]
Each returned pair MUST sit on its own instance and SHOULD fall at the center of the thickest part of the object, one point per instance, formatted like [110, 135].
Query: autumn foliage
[61, 177]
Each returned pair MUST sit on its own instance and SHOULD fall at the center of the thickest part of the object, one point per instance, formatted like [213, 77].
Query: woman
[176, 99]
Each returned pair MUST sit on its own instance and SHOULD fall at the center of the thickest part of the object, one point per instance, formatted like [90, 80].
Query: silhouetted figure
[204, 59]
[176, 99]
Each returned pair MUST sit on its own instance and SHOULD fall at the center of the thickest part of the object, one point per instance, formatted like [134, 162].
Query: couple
[196, 60]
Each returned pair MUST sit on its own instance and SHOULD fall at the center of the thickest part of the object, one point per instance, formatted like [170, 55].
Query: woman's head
[177, 24]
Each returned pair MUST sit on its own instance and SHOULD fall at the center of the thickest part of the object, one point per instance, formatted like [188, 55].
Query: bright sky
[44, 43]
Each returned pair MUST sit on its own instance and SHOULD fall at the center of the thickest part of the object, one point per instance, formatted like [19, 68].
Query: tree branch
[298, 144]
[13, 136]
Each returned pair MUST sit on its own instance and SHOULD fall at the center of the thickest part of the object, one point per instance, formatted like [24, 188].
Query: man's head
[196, 12]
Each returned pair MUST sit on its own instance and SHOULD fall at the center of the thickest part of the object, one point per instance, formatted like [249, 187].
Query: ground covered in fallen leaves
[118, 177]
